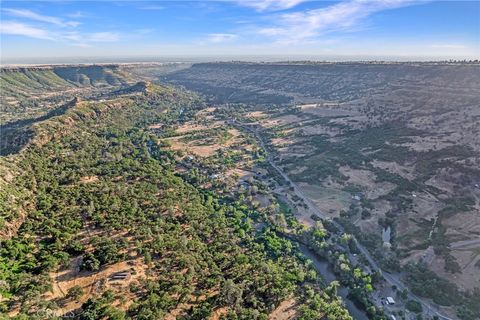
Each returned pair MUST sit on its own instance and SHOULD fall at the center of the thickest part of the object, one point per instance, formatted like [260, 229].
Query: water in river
[324, 269]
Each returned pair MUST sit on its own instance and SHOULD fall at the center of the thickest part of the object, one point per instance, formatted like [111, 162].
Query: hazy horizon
[198, 59]
[32, 31]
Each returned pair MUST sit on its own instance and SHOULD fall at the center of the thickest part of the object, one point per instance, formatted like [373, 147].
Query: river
[321, 265]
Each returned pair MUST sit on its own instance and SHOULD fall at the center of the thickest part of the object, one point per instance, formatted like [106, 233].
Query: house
[390, 300]
[392, 317]
[120, 276]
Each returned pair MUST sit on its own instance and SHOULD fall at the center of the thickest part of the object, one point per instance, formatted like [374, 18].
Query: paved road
[392, 279]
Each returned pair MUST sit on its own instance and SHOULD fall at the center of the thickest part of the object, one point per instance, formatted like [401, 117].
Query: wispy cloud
[28, 14]
[21, 29]
[52, 28]
[344, 16]
[221, 37]
[151, 7]
[82, 39]
[77, 15]
[272, 5]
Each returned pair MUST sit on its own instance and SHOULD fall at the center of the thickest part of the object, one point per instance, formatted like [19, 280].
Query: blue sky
[289, 28]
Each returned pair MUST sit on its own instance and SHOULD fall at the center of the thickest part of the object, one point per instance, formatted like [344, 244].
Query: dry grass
[88, 179]
[329, 200]
[93, 283]
[203, 150]
[218, 313]
[285, 311]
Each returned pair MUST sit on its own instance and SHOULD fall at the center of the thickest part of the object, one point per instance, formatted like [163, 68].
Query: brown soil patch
[285, 311]
[88, 179]
[240, 173]
[469, 278]
[92, 283]
[366, 179]
[218, 313]
[186, 128]
[256, 114]
[155, 126]
[465, 223]
[203, 150]
[280, 121]
[329, 200]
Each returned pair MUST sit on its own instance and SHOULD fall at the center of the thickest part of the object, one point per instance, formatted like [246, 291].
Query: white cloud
[271, 31]
[77, 15]
[151, 8]
[83, 39]
[221, 37]
[344, 16]
[24, 13]
[21, 29]
[72, 37]
[272, 5]
[52, 28]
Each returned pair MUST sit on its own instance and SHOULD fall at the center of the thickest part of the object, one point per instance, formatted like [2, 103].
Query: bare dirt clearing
[328, 200]
[93, 283]
[285, 311]
[203, 148]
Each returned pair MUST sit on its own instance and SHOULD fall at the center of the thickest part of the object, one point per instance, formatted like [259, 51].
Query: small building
[120, 276]
[392, 317]
[387, 245]
[356, 197]
[390, 300]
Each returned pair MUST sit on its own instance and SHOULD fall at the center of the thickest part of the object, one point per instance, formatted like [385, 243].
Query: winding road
[392, 279]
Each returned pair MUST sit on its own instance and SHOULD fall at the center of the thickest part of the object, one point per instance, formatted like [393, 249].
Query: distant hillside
[305, 82]
[32, 91]
[393, 146]
[93, 75]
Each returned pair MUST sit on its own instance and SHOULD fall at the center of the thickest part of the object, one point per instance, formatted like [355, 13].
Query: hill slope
[393, 146]
[101, 225]
[31, 91]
